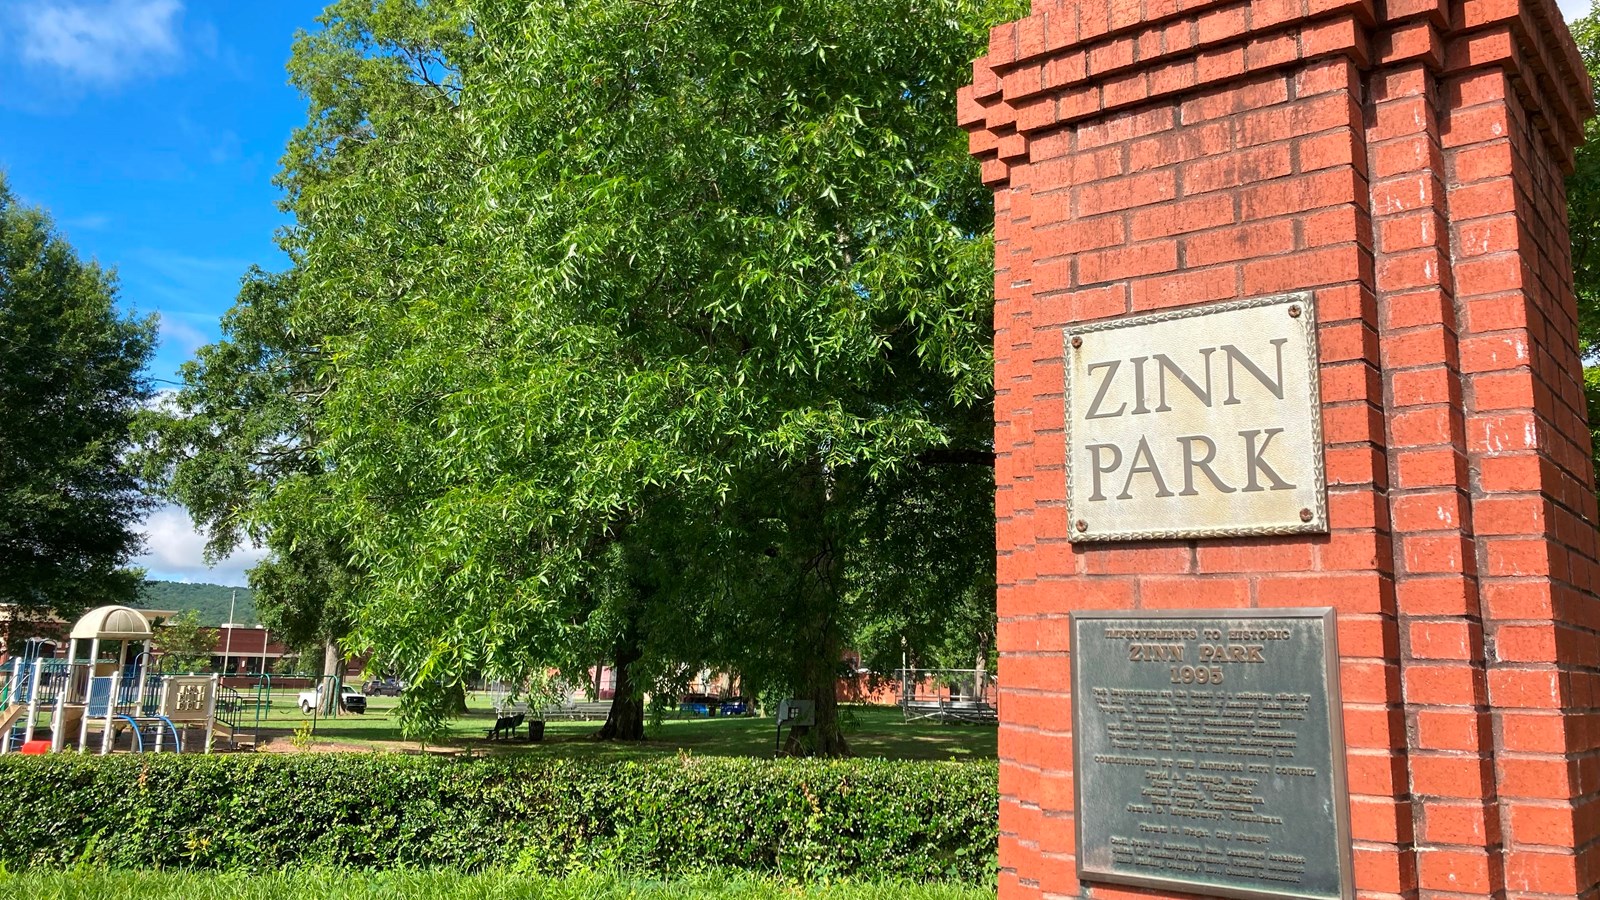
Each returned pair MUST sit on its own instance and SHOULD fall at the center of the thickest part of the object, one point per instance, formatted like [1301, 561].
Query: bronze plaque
[1208, 752]
[1202, 421]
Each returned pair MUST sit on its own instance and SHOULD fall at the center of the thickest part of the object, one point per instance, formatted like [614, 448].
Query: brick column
[1403, 163]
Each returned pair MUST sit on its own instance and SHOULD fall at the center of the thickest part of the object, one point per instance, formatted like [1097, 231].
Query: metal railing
[949, 695]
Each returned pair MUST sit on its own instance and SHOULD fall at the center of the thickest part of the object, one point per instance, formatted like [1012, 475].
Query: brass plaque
[1204, 421]
[1208, 752]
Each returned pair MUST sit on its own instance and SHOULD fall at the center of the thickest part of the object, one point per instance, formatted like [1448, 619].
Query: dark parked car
[698, 705]
[383, 687]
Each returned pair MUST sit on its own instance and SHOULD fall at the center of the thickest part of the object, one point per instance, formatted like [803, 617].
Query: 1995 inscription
[1207, 752]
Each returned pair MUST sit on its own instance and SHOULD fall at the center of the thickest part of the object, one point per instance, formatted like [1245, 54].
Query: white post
[58, 720]
[88, 694]
[211, 709]
[143, 676]
[160, 710]
[72, 658]
[122, 666]
[111, 713]
[33, 699]
[15, 698]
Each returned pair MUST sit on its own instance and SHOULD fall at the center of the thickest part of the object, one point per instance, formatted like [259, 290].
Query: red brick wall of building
[1405, 164]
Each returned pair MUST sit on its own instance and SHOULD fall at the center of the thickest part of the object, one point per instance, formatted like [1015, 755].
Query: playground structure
[949, 695]
[116, 701]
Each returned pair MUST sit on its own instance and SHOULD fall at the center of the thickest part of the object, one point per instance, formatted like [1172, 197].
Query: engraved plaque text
[1208, 753]
[1203, 421]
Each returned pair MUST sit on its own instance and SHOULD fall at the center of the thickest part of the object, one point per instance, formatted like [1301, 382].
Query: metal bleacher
[949, 695]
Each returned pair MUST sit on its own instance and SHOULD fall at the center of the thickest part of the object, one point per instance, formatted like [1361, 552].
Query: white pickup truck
[350, 700]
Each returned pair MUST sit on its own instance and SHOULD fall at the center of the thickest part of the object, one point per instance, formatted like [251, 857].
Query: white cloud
[100, 42]
[89, 222]
[183, 335]
[174, 551]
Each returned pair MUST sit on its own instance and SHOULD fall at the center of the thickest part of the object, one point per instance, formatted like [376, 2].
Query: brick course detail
[1404, 162]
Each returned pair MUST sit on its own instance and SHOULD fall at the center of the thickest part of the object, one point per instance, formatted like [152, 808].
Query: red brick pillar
[1404, 163]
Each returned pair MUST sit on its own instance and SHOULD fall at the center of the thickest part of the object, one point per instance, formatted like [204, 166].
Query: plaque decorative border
[1339, 778]
[1317, 524]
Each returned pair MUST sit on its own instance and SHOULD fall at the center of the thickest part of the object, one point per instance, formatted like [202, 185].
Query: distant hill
[209, 600]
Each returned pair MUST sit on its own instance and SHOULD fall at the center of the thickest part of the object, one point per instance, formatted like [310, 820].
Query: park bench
[595, 710]
[506, 726]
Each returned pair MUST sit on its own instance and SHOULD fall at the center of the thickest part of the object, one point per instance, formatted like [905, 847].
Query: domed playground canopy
[112, 623]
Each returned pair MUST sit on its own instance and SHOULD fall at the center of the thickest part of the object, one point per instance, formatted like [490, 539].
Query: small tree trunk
[332, 664]
[625, 721]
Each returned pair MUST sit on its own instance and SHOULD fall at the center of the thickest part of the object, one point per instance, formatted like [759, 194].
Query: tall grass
[97, 884]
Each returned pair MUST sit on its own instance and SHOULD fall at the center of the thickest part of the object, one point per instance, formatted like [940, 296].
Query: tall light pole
[227, 642]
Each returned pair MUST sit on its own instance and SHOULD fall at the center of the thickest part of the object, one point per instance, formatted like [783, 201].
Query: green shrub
[862, 819]
[444, 884]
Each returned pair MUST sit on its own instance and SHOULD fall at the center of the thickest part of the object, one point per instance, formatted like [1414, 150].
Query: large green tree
[1583, 195]
[237, 445]
[1583, 219]
[71, 381]
[655, 332]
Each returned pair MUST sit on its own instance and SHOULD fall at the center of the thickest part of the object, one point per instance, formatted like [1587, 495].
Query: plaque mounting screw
[1082, 525]
[1305, 515]
[1294, 311]
[1077, 342]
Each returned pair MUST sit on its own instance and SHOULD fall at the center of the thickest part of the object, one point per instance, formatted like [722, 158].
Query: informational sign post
[1204, 421]
[1208, 753]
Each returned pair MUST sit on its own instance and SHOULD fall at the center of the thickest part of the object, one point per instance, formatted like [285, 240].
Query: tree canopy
[71, 382]
[647, 333]
[183, 644]
[1583, 219]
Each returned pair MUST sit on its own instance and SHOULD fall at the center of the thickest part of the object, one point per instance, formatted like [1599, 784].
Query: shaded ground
[394, 885]
[871, 731]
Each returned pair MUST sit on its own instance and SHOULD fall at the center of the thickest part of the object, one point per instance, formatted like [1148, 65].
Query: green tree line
[211, 603]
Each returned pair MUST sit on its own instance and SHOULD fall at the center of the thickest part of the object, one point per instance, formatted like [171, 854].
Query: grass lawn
[872, 731]
[331, 885]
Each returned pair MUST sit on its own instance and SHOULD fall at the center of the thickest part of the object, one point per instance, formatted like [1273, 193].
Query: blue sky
[151, 129]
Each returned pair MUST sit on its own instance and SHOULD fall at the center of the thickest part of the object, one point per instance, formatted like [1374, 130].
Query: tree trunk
[625, 721]
[819, 683]
[821, 644]
[332, 664]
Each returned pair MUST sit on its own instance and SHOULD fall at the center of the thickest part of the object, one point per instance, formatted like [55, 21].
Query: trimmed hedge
[861, 819]
[446, 884]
